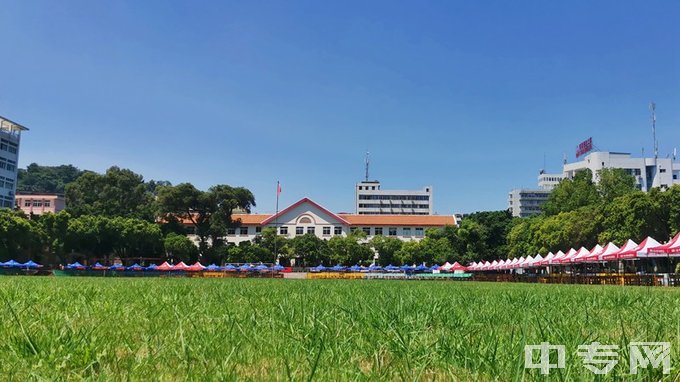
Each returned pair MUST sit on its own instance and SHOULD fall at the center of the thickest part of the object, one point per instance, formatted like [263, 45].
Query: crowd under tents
[596, 258]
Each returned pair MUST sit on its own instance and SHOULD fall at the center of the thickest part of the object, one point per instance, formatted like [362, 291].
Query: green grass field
[228, 329]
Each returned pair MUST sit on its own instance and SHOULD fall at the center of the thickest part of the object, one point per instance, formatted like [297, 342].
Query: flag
[278, 189]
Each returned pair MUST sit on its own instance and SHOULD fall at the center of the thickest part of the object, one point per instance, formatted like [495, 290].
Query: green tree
[55, 227]
[571, 194]
[118, 192]
[409, 253]
[272, 242]
[386, 247]
[308, 250]
[180, 247]
[350, 249]
[20, 238]
[633, 216]
[209, 212]
[614, 182]
[46, 179]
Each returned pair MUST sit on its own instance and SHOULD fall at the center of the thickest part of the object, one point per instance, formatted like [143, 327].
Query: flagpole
[276, 223]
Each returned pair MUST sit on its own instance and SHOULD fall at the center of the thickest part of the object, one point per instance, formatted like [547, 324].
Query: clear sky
[468, 97]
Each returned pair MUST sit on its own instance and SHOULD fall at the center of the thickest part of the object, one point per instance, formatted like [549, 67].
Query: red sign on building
[584, 147]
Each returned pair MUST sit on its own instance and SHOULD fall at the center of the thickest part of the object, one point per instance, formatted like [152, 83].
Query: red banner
[584, 147]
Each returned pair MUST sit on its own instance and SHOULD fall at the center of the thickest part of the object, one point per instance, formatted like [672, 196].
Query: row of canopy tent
[181, 266]
[447, 267]
[15, 264]
[648, 248]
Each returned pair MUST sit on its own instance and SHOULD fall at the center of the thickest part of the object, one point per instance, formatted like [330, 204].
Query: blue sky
[467, 97]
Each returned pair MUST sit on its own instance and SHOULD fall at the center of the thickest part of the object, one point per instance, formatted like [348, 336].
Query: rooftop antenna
[564, 159]
[675, 153]
[652, 108]
[367, 163]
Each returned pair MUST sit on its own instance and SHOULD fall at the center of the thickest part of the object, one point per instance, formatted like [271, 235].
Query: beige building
[38, 204]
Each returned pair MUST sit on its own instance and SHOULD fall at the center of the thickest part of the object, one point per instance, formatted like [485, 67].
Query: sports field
[228, 329]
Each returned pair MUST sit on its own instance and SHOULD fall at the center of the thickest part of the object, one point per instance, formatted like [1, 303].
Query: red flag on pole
[278, 188]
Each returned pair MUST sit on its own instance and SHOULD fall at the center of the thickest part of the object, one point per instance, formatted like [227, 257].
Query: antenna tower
[367, 163]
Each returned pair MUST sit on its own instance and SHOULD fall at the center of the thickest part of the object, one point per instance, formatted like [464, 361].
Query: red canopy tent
[630, 244]
[180, 266]
[457, 267]
[597, 257]
[581, 255]
[197, 267]
[669, 249]
[164, 267]
[566, 259]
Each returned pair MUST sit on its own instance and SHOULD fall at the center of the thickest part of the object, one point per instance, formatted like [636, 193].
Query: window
[47, 203]
[231, 231]
[367, 230]
[419, 232]
[326, 231]
[299, 230]
[283, 230]
[305, 220]
[310, 230]
[258, 229]
[337, 230]
[27, 203]
[392, 231]
[662, 170]
[243, 231]
[37, 203]
[378, 231]
[406, 231]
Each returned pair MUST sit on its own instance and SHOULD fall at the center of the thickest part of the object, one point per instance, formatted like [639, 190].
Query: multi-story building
[306, 216]
[526, 202]
[549, 181]
[38, 204]
[648, 172]
[10, 138]
[371, 200]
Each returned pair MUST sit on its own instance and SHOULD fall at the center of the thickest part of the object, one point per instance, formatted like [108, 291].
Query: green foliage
[247, 252]
[180, 248]
[634, 216]
[118, 192]
[308, 250]
[614, 182]
[349, 249]
[571, 194]
[208, 211]
[386, 248]
[46, 179]
[20, 238]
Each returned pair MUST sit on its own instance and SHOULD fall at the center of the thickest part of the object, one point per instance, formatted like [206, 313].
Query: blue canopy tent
[75, 265]
[245, 268]
[117, 267]
[213, 267]
[261, 268]
[355, 268]
[278, 267]
[407, 268]
[338, 268]
[391, 268]
[435, 267]
[135, 267]
[11, 264]
[98, 266]
[30, 264]
[230, 268]
[318, 268]
[375, 268]
[422, 268]
[152, 267]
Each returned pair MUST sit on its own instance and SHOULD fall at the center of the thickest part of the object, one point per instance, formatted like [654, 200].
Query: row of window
[8, 146]
[337, 230]
[37, 203]
[8, 164]
[6, 183]
[370, 205]
[394, 197]
[6, 201]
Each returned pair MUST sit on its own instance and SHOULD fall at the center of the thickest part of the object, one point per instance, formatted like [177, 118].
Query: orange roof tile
[250, 218]
[399, 220]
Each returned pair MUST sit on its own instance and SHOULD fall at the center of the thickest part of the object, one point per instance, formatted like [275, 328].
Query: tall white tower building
[10, 137]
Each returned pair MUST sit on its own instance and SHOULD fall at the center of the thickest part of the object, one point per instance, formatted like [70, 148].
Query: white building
[371, 200]
[526, 202]
[549, 181]
[648, 172]
[306, 216]
[10, 138]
